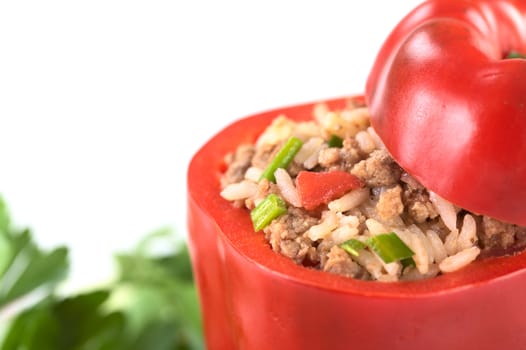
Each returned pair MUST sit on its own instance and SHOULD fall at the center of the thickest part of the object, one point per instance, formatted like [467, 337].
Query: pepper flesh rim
[234, 224]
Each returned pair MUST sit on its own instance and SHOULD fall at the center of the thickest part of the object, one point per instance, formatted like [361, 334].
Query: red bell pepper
[450, 109]
[253, 298]
[316, 188]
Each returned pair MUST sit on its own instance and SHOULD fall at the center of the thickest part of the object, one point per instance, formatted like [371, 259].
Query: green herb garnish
[270, 208]
[389, 247]
[408, 262]
[152, 304]
[335, 141]
[283, 158]
[353, 246]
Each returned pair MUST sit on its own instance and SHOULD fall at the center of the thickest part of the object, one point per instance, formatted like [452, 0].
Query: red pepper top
[450, 109]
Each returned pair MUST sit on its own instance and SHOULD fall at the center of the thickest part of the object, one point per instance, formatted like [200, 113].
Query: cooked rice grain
[328, 223]
[287, 188]
[468, 233]
[365, 142]
[240, 190]
[459, 260]
[350, 200]
[439, 251]
[310, 149]
[253, 174]
[445, 209]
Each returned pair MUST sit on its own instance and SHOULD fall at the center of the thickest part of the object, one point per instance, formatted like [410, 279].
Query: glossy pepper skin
[450, 109]
[253, 298]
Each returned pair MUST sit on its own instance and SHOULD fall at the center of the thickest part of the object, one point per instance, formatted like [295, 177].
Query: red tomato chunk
[320, 188]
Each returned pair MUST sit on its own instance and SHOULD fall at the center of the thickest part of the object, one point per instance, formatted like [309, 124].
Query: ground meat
[285, 234]
[265, 187]
[378, 170]
[238, 163]
[350, 154]
[497, 236]
[264, 154]
[339, 262]
[323, 249]
[294, 168]
[329, 156]
[296, 249]
[416, 201]
[312, 259]
[298, 221]
[390, 203]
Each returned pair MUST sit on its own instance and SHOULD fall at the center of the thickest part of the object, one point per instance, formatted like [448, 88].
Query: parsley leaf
[151, 305]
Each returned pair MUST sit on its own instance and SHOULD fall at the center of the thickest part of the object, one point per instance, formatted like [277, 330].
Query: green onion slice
[335, 141]
[515, 54]
[353, 246]
[389, 247]
[267, 210]
[408, 262]
[283, 158]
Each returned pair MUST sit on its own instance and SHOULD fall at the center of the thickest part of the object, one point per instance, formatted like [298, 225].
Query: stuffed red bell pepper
[371, 218]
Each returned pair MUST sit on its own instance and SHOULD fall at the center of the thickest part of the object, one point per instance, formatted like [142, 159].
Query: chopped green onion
[270, 208]
[389, 247]
[335, 141]
[515, 54]
[283, 158]
[353, 246]
[408, 262]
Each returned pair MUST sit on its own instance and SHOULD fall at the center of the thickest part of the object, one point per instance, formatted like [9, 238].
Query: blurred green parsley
[151, 305]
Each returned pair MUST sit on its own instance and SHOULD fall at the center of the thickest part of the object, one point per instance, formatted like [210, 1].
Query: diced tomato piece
[316, 188]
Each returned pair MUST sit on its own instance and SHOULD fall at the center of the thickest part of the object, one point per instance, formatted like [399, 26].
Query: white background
[103, 102]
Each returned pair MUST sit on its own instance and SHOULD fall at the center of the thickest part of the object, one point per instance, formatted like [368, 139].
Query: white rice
[309, 148]
[439, 251]
[451, 243]
[468, 234]
[377, 141]
[350, 220]
[328, 223]
[365, 142]
[287, 188]
[421, 256]
[350, 200]
[280, 129]
[240, 190]
[307, 130]
[459, 260]
[370, 262]
[344, 233]
[393, 269]
[445, 209]
[253, 174]
[358, 119]
[333, 123]
[375, 227]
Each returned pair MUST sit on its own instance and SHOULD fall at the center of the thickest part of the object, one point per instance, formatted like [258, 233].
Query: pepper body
[450, 109]
[253, 298]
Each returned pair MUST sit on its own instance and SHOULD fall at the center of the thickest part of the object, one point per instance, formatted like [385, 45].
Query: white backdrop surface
[103, 102]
